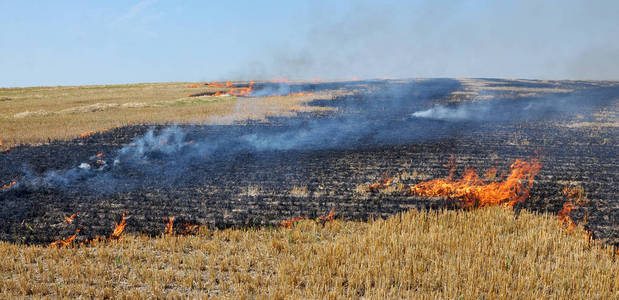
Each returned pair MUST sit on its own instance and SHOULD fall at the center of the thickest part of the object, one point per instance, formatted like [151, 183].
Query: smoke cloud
[524, 39]
[386, 113]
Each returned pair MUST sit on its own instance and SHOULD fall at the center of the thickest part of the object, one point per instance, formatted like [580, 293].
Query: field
[235, 166]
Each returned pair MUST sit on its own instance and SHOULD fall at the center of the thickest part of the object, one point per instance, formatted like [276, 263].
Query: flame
[66, 242]
[217, 84]
[120, 227]
[472, 191]
[299, 94]
[322, 219]
[100, 155]
[288, 223]
[241, 91]
[188, 229]
[169, 228]
[382, 183]
[10, 185]
[87, 134]
[70, 219]
[327, 218]
[574, 199]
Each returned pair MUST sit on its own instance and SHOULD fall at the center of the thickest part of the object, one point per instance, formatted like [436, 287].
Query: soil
[370, 133]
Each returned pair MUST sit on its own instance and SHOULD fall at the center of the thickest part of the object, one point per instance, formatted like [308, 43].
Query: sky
[108, 42]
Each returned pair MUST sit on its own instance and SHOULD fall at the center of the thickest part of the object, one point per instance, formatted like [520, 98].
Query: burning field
[363, 150]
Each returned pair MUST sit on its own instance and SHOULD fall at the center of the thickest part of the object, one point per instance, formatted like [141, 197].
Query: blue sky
[104, 42]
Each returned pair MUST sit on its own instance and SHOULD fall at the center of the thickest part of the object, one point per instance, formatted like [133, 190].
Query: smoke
[460, 113]
[546, 107]
[385, 113]
[445, 39]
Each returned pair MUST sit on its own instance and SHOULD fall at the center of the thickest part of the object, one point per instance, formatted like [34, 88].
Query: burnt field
[260, 173]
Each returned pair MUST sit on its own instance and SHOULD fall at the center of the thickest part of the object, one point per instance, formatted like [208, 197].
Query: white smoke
[459, 113]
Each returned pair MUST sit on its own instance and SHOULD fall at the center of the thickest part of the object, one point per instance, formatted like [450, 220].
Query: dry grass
[486, 253]
[299, 191]
[34, 115]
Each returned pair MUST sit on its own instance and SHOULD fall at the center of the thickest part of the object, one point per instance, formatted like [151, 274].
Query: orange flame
[327, 218]
[86, 134]
[10, 185]
[120, 227]
[169, 228]
[100, 155]
[216, 84]
[472, 191]
[288, 223]
[382, 183]
[188, 229]
[299, 94]
[242, 91]
[68, 241]
[574, 197]
[70, 219]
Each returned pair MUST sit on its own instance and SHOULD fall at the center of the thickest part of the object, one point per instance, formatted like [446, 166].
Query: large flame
[119, 229]
[472, 191]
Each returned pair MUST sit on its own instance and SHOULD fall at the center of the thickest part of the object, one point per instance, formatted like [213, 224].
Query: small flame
[472, 191]
[169, 228]
[188, 229]
[66, 242]
[10, 185]
[382, 183]
[327, 218]
[242, 91]
[288, 223]
[100, 155]
[299, 94]
[575, 198]
[86, 134]
[70, 219]
[120, 227]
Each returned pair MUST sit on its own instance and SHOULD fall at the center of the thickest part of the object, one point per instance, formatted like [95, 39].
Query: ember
[473, 192]
[120, 227]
